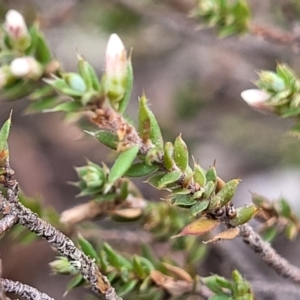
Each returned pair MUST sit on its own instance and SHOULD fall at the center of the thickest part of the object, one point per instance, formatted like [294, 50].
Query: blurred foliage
[276, 216]
[229, 17]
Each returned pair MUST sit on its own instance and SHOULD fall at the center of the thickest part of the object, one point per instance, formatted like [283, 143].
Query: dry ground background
[193, 81]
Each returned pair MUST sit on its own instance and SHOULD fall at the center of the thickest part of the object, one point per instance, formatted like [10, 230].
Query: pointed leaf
[168, 179]
[88, 74]
[71, 106]
[184, 200]
[116, 260]
[199, 175]
[140, 169]
[198, 227]
[127, 287]
[169, 162]
[87, 248]
[211, 174]
[154, 179]
[4, 133]
[228, 234]
[228, 191]
[107, 138]
[137, 268]
[129, 83]
[212, 283]
[42, 51]
[181, 155]
[122, 163]
[199, 207]
[243, 215]
[74, 282]
[148, 126]
[284, 208]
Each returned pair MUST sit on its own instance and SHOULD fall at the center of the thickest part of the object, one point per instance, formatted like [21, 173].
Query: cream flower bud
[15, 25]
[26, 67]
[257, 99]
[116, 60]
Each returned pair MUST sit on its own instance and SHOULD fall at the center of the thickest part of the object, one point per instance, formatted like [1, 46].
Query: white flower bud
[15, 25]
[257, 99]
[116, 61]
[26, 67]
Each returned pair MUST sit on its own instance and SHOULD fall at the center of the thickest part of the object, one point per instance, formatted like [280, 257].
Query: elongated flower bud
[115, 58]
[17, 30]
[115, 69]
[257, 99]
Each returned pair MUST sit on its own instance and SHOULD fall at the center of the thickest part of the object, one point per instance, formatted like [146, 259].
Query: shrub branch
[23, 290]
[268, 254]
[57, 239]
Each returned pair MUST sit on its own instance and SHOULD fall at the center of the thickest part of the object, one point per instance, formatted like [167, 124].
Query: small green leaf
[168, 179]
[87, 248]
[228, 191]
[88, 74]
[181, 155]
[209, 189]
[116, 260]
[42, 51]
[137, 267]
[284, 209]
[107, 138]
[76, 281]
[122, 163]
[243, 215]
[62, 86]
[184, 200]
[212, 283]
[140, 169]
[127, 287]
[145, 284]
[4, 133]
[199, 175]
[148, 126]
[211, 174]
[71, 106]
[129, 83]
[269, 234]
[169, 162]
[198, 227]
[199, 207]
[154, 179]
[20, 89]
[44, 104]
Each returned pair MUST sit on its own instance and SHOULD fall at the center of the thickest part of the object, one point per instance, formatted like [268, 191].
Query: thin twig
[268, 254]
[64, 246]
[57, 239]
[23, 290]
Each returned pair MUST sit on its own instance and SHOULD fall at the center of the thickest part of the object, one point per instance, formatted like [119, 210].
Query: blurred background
[193, 80]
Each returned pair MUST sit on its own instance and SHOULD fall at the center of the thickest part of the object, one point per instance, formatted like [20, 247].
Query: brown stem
[268, 254]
